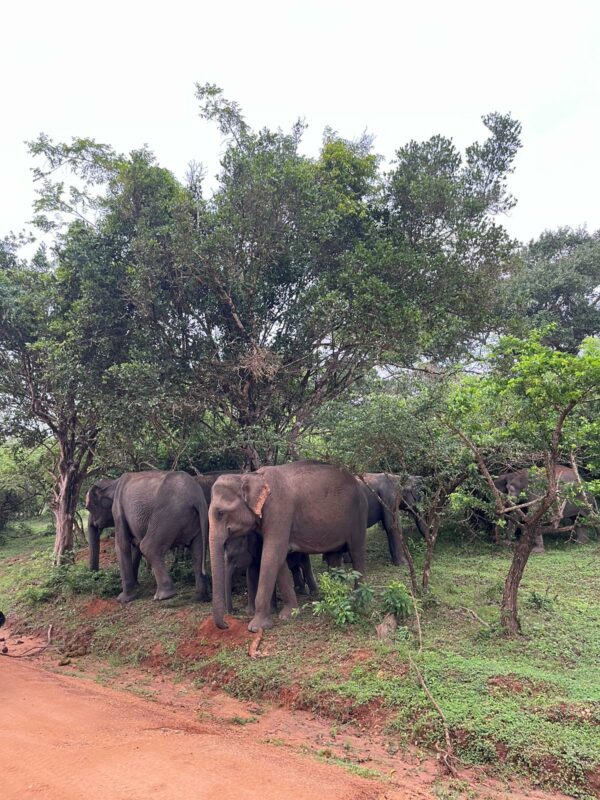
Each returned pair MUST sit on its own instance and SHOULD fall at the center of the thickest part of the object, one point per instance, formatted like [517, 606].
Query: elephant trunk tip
[220, 623]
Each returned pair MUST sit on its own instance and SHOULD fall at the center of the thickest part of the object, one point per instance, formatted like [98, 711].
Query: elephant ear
[255, 491]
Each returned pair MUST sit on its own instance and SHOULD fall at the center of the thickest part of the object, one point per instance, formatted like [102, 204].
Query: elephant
[386, 494]
[152, 512]
[98, 502]
[516, 484]
[244, 554]
[303, 507]
[207, 479]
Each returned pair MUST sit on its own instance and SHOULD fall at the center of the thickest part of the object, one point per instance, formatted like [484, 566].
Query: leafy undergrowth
[529, 705]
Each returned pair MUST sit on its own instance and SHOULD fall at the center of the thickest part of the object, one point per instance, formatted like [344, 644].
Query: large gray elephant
[301, 507]
[152, 512]
[245, 553]
[520, 485]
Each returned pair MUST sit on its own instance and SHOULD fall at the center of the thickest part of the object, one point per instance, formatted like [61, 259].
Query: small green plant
[343, 600]
[70, 579]
[540, 602]
[397, 600]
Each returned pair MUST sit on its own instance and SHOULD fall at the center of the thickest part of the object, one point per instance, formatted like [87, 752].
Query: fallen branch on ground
[35, 651]
[446, 756]
[471, 613]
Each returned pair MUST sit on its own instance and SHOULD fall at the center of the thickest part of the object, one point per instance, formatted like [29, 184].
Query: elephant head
[98, 502]
[236, 509]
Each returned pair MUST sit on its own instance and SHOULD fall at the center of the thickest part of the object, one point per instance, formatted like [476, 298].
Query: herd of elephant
[267, 522]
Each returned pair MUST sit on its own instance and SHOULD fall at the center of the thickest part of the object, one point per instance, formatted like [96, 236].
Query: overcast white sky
[124, 73]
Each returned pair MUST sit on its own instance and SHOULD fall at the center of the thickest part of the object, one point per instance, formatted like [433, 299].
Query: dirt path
[63, 739]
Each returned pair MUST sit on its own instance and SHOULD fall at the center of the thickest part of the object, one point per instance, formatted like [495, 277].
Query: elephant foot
[260, 623]
[202, 596]
[538, 550]
[165, 594]
[126, 597]
[286, 612]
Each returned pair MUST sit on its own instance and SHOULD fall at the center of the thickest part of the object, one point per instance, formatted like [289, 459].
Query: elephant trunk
[94, 545]
[217, 541]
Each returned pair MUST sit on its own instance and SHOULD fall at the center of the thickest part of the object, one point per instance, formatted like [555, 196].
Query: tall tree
[559, 285]
[61, 328]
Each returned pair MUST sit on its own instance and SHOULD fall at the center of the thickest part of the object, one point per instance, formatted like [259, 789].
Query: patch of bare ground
[355, 738]
[513, 684]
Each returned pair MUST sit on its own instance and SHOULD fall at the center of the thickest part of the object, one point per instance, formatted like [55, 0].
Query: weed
[540, 602]
[342, 600]
[397, 600]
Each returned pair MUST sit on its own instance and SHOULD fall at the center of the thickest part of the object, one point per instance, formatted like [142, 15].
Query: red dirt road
[62, 738]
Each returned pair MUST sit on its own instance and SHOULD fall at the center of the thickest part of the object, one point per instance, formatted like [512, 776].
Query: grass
[529, 705]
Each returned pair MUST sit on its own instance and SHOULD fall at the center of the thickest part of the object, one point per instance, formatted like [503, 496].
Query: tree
[60, 331]
[398, 426]
[442, 248]
[558, 288]
[530, 401]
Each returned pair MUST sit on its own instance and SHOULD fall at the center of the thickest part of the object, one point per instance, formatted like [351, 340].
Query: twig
[33, 651]
[471, 613]
[418, 620]
[447, 757]
[254, 645]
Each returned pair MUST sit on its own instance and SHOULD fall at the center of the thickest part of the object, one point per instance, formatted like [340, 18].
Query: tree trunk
[66, 497]
[251, 458]
[430, 542]
[509, 618]
[64, 509]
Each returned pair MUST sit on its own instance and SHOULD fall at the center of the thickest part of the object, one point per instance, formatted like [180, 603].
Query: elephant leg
[390, 527]
[200, 577]
[299, 581]
[229, 570]
[309, 575]
[538, 547]
[582, 535]
[252, 584]
[334, 560]
[286, 588]
[357, 548]
[135, 560]
[123, 545]
[154, 553]
[273, 556]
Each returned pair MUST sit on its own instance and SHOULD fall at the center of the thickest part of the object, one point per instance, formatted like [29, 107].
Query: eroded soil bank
[65, 737]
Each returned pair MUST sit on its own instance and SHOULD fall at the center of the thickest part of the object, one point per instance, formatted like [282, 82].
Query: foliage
[397, 600]
[342, 599]
[557, 286]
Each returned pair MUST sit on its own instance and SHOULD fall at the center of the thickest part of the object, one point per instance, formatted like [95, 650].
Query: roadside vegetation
[529, 705]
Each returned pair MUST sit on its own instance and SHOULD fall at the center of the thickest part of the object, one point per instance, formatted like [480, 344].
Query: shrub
[342, 599]
[397, 600]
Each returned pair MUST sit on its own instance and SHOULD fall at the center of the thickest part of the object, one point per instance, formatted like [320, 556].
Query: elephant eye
[219, 513]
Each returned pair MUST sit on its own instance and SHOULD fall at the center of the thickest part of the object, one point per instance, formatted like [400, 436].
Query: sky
[124, 73]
